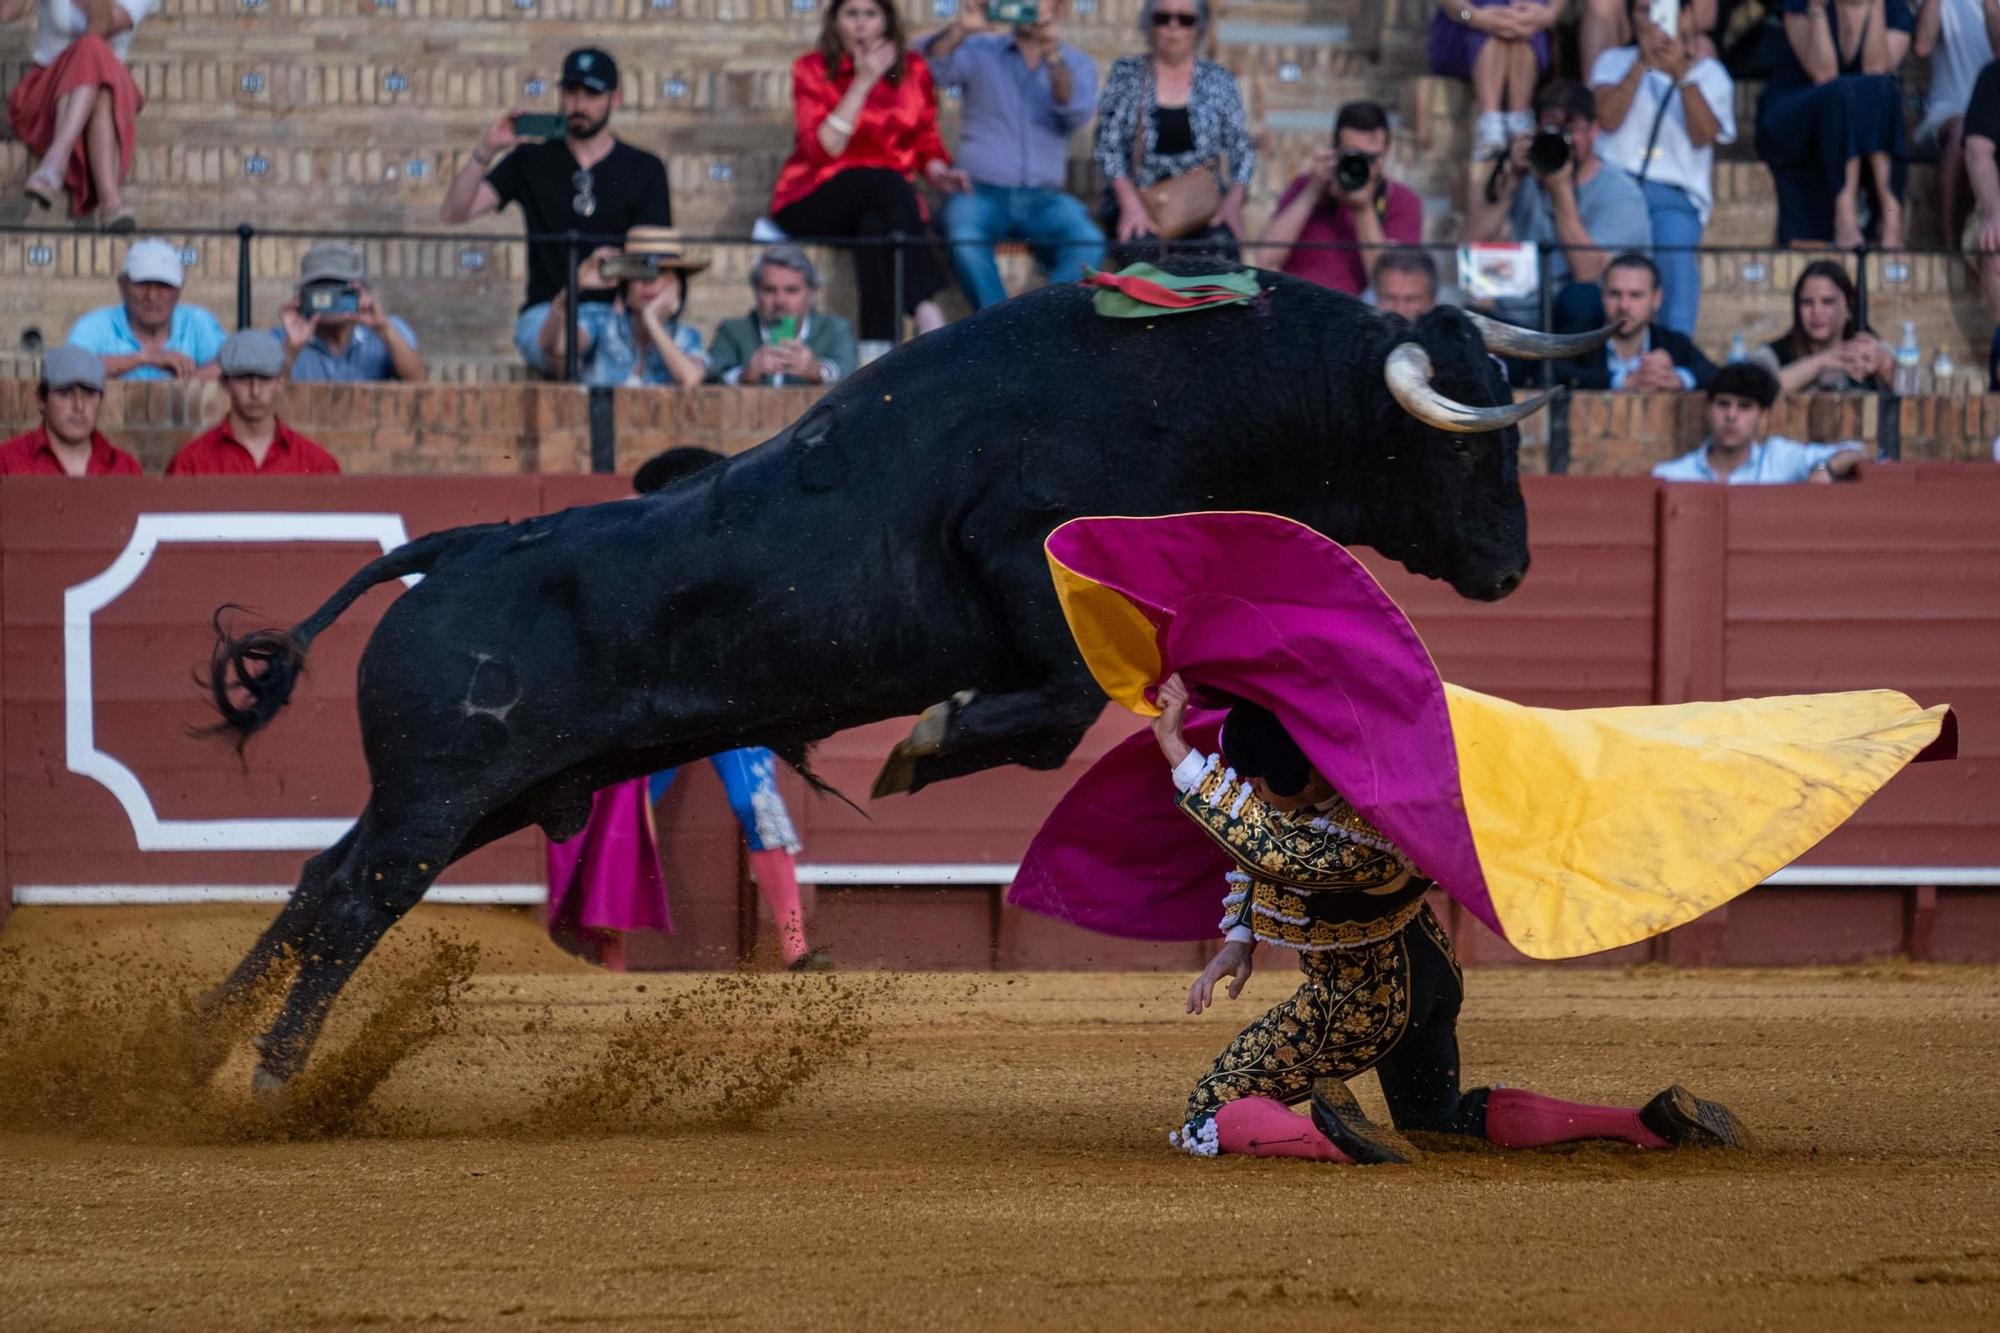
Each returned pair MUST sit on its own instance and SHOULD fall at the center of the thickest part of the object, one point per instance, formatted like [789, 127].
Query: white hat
[154, 260]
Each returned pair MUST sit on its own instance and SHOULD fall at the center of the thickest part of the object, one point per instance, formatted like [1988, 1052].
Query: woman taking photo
[1171, 136]
[1827, 348]
[865, 112]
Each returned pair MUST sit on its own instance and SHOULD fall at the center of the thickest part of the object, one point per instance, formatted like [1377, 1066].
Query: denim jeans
[1675, 222]
[528, 339]
[1056, 226]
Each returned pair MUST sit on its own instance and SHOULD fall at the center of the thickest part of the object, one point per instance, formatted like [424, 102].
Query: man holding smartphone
[334, 330]
[1026, 92]
[586, 181]
[785, 339]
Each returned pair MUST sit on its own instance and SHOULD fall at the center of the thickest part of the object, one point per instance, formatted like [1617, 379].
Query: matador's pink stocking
[1517, 1118]
[778, 880]
[1261, 1127]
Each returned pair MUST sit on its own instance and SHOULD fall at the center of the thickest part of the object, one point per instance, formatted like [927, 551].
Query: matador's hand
[1233, 961]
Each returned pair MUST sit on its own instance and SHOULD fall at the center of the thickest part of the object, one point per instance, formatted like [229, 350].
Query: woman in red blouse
[866, 114]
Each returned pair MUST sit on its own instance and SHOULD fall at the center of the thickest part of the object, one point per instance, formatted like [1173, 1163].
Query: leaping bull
[879, 558]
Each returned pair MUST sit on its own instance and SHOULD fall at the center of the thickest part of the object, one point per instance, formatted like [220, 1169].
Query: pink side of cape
[613, 866]
[1264, 609]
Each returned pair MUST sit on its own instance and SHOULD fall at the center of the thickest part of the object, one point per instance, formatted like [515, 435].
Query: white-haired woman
[1165, 114]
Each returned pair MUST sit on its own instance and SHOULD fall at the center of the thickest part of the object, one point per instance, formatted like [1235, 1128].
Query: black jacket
[1594, 371]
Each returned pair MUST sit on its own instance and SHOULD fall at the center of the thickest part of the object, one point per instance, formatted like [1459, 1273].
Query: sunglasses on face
[1164, 19]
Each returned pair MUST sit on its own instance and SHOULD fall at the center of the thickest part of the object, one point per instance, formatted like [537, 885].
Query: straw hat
[664, 245]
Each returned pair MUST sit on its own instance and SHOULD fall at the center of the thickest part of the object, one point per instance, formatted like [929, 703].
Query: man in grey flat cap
[67, 443]
[335, 329]
[251, 440]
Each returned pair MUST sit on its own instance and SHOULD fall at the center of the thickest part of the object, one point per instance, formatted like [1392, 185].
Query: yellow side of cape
[1120, 646]
[1602, 827]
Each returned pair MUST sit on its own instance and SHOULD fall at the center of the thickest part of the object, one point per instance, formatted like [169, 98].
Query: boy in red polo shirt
[67, 443]
[250, 440]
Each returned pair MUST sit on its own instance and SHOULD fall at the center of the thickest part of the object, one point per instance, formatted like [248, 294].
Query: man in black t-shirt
[1982, 229]
[587, 181]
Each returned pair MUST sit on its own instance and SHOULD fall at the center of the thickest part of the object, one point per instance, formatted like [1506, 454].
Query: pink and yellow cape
[1567, 832]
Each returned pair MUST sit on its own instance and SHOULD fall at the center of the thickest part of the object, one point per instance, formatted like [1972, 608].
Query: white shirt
[58, 23]
[1772, 461]
[1962, 51]
[1676, 161]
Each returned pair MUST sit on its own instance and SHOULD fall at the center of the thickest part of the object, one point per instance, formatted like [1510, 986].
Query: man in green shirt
[784, 340]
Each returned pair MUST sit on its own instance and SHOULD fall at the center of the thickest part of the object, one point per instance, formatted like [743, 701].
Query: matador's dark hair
[1256, 745]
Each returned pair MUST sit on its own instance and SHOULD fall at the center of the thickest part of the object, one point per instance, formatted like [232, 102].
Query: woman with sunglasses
[865, 111]
[1185, 114]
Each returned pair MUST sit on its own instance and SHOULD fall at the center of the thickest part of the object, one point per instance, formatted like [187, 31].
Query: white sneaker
[1519, 122]
[1489, 139]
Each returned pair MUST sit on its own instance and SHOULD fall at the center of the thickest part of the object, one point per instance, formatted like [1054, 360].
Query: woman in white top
[77, 109]
[1661, 109]
[1958, 38]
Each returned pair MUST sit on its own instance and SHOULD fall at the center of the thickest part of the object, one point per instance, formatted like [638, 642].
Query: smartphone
[540, 125]
[1666, 15]
[328, 298]
[630, 268]
[785, 329]
[1012, 13]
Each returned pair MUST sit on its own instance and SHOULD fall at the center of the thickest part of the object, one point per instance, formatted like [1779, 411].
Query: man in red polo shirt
[251, 441]
[67, 443]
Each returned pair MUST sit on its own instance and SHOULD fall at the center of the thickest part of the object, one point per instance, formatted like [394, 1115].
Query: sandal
[42, 189]
[121, 219]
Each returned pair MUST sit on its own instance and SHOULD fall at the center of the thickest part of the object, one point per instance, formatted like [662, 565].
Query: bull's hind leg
[390, 862]
[287, 930]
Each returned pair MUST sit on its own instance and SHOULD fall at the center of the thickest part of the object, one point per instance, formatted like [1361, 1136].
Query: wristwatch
[1464, 15]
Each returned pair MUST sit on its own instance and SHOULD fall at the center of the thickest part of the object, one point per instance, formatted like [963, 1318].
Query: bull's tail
[251, 676]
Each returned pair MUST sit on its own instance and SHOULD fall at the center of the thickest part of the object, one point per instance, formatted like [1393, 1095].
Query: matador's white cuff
[1189, 772]
[1240, 935]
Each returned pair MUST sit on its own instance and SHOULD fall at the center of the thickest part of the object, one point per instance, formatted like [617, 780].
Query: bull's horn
[1528, 345]
[1408, 372]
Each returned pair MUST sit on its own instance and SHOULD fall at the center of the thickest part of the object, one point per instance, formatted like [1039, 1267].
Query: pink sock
[778, 880]
[1261, 1127]
[1517, 1118]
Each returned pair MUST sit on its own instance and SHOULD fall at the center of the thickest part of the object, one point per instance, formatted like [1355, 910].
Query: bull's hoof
[899, 770]
[267, 1085]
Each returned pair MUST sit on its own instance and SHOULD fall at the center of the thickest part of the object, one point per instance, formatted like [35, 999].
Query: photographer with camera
[335, 331]
[637, 337]
[1026, 92]
[568, 173]
[1553, 190]
[1331, 221]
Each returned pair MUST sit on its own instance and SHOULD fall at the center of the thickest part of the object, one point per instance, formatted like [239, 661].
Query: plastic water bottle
[1909, 358]
[1738, 353]
[1943, 368]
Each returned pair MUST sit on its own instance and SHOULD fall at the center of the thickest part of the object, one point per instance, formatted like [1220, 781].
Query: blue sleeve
[403, 330]
[953, 68]
[1082, 90]
[92, 332]
[205, 336]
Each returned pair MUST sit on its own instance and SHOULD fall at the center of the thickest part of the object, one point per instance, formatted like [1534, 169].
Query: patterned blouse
[1311, 880]
[1215, 112]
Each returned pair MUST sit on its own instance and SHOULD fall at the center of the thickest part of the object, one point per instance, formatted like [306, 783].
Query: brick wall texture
[540, 428]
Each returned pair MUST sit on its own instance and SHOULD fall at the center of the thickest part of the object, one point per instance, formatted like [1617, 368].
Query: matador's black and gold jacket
[1314, 879]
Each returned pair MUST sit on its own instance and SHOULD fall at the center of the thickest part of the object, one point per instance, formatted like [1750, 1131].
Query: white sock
[1519, 122]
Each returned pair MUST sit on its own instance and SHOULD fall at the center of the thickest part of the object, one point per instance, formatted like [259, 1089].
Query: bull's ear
[1407, 372]
[1528, 345]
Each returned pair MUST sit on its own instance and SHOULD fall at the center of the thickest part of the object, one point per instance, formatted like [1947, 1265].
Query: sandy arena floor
[549, 1146]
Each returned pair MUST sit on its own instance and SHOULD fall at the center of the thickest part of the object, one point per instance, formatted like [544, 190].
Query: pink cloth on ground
[613, 866]
[1264, 1127]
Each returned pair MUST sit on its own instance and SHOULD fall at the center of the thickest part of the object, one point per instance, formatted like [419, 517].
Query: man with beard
[1643, 355]
[587, 181]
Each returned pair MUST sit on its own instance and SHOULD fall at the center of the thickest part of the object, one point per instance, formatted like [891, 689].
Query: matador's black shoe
[1687, 1121]
[1337, 1115]
[816, 960]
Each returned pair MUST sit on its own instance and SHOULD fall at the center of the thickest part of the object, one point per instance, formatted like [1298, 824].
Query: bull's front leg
[970, 732]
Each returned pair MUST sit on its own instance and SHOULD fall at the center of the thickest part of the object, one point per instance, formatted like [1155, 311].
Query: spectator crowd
[1600, 154]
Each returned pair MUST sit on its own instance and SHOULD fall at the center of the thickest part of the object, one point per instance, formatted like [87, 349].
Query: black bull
[880, 557]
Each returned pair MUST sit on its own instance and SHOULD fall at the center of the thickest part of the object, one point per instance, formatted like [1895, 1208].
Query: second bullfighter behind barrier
[880, 557]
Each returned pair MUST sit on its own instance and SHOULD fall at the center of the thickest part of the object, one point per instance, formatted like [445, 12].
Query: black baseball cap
[588, 67]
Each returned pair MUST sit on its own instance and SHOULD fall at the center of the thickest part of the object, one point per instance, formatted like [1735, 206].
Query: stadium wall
[1639, 593]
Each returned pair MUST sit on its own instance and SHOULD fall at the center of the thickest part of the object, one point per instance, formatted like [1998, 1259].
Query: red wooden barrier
[1638, 593]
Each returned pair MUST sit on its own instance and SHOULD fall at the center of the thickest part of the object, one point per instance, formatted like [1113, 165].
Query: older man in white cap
[67, 443]
[151, 334]
[251, 440]
[334, 328]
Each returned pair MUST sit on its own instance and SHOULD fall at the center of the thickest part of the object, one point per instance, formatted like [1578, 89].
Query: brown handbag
[1179, 205]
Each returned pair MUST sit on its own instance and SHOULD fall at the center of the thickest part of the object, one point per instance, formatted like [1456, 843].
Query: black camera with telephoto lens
[1351, 170]
[330, 298]
[1548, 151]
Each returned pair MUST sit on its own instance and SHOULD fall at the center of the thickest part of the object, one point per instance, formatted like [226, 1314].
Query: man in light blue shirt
[150, 335]
[334, 328]
[1026, 92]
[1737, 450]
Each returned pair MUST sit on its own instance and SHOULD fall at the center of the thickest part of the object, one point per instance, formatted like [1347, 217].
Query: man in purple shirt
[1026, 92]
[1318, 212]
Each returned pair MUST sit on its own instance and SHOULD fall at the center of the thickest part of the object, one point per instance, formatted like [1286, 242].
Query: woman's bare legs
[1847, 208]
[1489, 74]
[1523, 72]
[72, 116]
[1891, 208]
[100, 144]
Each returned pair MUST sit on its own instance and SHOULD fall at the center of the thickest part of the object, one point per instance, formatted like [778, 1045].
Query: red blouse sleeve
[813, 99]
[929, 145]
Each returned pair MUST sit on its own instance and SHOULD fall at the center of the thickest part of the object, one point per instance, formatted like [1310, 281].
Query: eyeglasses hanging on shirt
[585, 202]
